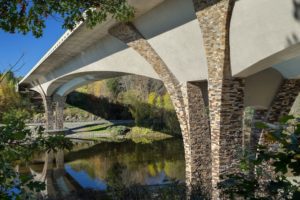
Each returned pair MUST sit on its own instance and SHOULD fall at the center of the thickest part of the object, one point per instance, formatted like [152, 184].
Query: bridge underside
[215, 56]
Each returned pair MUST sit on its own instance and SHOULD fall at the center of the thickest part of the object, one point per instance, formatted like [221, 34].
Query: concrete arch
[257, 43]
[258, 95]
[82, 79]
[66, 84]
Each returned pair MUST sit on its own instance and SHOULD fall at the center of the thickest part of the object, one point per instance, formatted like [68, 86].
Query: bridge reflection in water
[91, 172]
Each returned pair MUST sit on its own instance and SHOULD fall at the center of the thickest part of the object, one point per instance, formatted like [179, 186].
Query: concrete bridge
[217, 54]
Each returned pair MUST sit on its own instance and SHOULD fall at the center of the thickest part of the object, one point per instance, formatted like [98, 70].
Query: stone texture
[48, 105]
[225, 93]
[59, 111]
[284, 100]
[188, 102]
[198, 137]
[281, 106]
[230, 124]
[282, 103]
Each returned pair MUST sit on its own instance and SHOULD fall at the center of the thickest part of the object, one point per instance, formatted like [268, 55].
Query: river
[106, 169]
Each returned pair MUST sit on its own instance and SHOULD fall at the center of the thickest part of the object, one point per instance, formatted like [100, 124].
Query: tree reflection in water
[114, 170]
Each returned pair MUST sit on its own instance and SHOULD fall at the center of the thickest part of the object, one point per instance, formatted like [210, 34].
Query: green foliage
[159, 102]
[157, 113]
[118, 130]
[151, 98]
[129, 97]
[98, 106]
[113, 86]
[29, 16]
[275, 164]
[145, 135]
[9, 98]
[133, 97]
[18, 143]
[168, 105]
[22, 114]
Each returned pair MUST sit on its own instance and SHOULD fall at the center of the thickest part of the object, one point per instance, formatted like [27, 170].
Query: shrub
[17, 143]
[275, 166]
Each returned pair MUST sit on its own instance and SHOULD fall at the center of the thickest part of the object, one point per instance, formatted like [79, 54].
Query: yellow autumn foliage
[9, 98]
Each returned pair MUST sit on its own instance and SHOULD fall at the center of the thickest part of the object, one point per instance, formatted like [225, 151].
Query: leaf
[19, 136]
[261, 125]
[285, 119]
[270, 137]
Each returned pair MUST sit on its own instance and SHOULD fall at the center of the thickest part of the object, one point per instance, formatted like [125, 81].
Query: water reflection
[107, 167]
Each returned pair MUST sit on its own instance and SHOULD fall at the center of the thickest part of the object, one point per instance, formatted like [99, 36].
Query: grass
[116, 132]
[145, 135]
[97, 128]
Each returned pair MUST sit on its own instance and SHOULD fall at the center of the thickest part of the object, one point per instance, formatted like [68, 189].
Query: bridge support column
[59, 159]
[225, 93]
[282, 103]
[197, 142]
[48, 170]
[59, 112]
[189, 104]
[284, 100]
[60, 165]
[48, 105]
[281, 106]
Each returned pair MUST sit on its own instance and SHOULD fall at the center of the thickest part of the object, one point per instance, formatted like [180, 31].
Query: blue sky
[12, 46]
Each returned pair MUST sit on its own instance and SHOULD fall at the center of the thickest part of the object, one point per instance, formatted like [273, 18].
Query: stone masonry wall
[225, 93]
[199, 132]
[281, 105]
[59, 112]
[180, 93]
[231, 125]
[199, 137]
[48, 105]
[283, 100]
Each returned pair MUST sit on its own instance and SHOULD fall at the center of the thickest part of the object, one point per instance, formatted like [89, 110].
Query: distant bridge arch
[62, 86]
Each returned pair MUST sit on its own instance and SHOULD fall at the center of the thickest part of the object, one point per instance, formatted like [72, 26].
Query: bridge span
[217, 54]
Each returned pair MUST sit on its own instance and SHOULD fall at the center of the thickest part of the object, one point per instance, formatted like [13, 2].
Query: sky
[12, 46]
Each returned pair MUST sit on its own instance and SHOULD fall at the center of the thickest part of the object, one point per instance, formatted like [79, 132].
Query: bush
[118, 130]
[21, 114]
[17, 143]
[275, 165]
[9, 98]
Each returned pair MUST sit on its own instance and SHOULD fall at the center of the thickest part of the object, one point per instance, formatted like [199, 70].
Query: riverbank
[114, 132]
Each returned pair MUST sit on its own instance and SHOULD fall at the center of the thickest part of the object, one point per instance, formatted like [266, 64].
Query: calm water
[101, 168]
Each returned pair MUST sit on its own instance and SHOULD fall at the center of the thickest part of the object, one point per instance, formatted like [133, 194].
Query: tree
[9, 97]
[276, 165]
[18, 143]
[25, 16]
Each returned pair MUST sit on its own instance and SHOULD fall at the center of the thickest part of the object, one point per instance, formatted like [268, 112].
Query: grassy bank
[118, 132]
